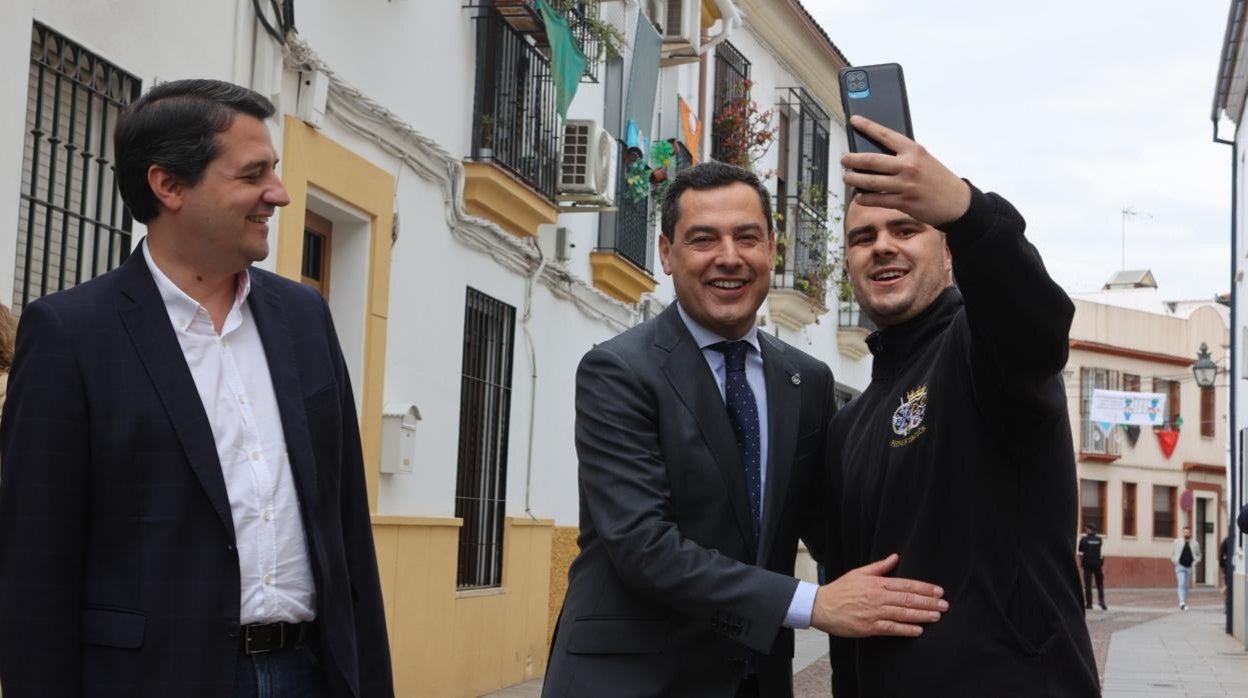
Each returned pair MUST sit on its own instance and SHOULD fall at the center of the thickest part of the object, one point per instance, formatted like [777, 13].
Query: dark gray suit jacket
[118, 568]
[671, 592]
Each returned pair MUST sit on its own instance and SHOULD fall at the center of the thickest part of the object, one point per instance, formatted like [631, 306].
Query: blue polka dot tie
[743, 411]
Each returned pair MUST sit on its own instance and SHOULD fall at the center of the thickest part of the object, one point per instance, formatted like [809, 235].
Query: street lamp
[1204, 369]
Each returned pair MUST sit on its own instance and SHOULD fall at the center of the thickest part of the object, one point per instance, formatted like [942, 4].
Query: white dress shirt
[803, 604]
[231, 373]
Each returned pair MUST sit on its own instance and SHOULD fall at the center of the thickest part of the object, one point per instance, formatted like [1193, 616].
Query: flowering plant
[743, 131]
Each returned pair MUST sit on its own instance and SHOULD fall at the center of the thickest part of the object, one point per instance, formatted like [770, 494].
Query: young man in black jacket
[958, 455]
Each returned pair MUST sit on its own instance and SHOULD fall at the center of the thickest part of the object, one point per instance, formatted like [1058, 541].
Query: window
[1128, 508]
[1131, 382]
[732, 86]
[72, 225]
[1163, 511]
[317, 237]
[1206, 412]
[801, 195]
[1171, 390]
[1092, 504]
[485, 408]
[1096, 439]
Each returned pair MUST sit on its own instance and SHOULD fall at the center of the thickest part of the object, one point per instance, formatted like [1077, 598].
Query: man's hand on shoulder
[912, 181]
[863, 603]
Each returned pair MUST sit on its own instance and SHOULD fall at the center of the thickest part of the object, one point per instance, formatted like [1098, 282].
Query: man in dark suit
[182, 503]
[700, 441]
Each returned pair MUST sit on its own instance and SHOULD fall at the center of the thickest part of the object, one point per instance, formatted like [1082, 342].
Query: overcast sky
[1072, 111]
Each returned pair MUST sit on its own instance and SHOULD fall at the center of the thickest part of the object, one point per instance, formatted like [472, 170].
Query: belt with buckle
[258, 638]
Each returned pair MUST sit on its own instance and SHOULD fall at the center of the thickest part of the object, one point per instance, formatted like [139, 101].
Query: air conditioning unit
[587, 169]
[680, 22]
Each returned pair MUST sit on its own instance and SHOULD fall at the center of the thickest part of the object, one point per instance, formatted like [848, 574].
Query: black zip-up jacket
[959, 457]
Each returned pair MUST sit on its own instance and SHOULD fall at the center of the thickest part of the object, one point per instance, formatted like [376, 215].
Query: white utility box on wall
[398, 437]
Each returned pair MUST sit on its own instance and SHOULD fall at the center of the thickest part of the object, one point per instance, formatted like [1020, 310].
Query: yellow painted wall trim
[526, 521]
[310, 158]
[492, 193]
[710, 13]
[478, 593]
[450, 643]
[619, 278]
[389, 520]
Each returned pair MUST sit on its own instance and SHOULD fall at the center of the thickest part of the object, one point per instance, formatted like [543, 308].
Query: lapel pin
[797, 379]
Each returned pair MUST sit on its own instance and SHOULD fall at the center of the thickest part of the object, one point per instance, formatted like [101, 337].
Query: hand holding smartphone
[877, 92]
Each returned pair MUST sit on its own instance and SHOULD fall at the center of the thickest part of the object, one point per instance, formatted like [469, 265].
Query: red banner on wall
[1168, 440]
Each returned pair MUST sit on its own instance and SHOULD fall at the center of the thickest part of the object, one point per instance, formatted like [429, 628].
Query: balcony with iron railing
[799, 280]
[801, 249]
[623, 261]
[516, 124]
[513, 174]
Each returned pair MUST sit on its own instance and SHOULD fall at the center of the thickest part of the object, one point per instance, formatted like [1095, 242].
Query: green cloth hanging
[567, 62]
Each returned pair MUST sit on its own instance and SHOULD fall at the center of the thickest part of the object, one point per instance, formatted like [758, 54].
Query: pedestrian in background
[1093, 566]
[8, 332]
[1184, 553]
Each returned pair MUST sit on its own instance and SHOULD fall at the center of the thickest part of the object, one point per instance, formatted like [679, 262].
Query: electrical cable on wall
[364, 117]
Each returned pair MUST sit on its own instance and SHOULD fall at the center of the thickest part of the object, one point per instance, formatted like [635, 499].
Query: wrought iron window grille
[809, 142]
[72, 224]
[732, 83]
[484, 423]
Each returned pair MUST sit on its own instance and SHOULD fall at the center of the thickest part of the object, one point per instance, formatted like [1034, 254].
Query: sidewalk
[1144, 646]
[1179, 654]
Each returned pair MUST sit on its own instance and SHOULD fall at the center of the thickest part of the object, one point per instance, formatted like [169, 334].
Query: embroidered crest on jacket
[908, 417]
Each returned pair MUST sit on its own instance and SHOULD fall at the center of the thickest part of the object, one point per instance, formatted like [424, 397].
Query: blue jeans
[1184, 576]
[289, 673]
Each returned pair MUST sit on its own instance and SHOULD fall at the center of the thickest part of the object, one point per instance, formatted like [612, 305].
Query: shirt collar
[180, 306]
[706, 338]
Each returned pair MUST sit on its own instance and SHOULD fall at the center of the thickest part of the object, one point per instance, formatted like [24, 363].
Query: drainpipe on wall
[528, 338]
[1235, 504]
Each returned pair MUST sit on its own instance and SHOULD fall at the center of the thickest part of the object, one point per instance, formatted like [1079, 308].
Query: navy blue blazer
[119, 574]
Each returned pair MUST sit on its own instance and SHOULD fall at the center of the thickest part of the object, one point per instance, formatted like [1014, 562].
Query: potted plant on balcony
[485, 147]
[608, 38]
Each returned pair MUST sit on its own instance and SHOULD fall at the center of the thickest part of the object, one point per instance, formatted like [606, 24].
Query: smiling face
[222, 221]
[897, 264]
[720, 257]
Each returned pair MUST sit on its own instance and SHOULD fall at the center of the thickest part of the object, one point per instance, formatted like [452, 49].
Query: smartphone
[877, 92]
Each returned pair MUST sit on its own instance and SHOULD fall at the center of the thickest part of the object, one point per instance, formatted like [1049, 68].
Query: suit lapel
[279, 351]
[691, 378]
[783, 402]
[143, 313]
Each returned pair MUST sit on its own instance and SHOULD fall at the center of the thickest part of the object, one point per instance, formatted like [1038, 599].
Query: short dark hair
[175, 126]
[709, 175]
[1091, 528]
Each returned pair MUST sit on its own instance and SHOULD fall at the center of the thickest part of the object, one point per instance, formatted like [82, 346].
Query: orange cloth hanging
[690, 128]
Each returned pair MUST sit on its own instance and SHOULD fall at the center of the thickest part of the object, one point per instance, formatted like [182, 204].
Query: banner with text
[1121, 407]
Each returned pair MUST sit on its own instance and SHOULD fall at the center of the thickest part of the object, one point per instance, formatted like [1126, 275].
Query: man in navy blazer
[183, 508]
